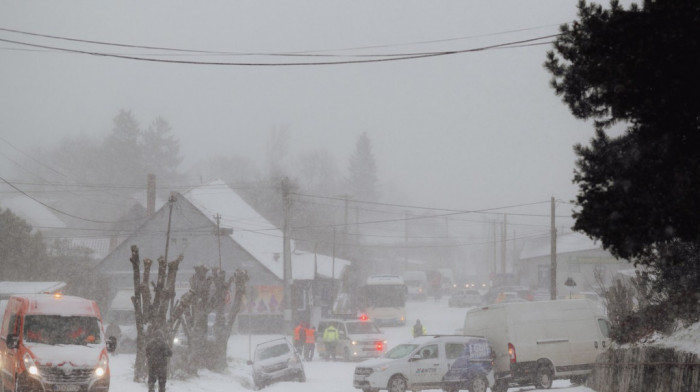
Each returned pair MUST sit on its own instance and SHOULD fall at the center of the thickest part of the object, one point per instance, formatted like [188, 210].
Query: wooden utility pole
[171, 201]
[218, 235]
[553, 269]
[287, 258]
[504, 235]
[333, 291]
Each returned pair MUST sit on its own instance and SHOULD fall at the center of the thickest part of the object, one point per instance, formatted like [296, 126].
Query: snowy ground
[321, 376]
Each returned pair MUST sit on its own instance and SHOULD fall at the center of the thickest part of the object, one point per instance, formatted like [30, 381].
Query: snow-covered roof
[62, 305]
[8, 288]
[566, 243]
[100, 246]
[256, 234]
[35, 213]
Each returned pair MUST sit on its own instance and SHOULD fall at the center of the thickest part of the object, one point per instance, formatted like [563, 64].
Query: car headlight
[30, 365]
[102, 366]
[380, 368]
[354, 343]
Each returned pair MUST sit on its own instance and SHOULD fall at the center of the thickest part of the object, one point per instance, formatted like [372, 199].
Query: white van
[537, 342]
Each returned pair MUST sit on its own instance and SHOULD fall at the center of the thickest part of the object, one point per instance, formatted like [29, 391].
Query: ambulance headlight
[30, 365]
[102, 365]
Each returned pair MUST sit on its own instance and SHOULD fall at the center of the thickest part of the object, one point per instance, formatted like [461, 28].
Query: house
[578, 258]
[192, 220]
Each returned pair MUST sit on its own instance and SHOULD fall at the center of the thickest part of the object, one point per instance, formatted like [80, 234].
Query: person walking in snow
[310, 343]
[418, 329]
[299, 338]
[157, 353]
[330, 340]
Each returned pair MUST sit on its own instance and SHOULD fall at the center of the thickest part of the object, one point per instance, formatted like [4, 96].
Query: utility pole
[218, 235]
[553, 268]
[287, 258]
[345, 221]
[504, 234]
[171, 201]
[333, 293]
[494, 265]
[357, 224]
[405, 240]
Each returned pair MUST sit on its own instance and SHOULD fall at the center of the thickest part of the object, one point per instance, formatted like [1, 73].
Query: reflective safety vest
[330, 334]
[310, 336]
[297, 333]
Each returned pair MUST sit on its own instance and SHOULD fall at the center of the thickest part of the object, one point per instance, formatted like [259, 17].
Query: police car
[424, 363]
[359, 338]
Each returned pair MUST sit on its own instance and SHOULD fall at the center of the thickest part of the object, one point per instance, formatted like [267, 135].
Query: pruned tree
[150, 312]
[208, 293]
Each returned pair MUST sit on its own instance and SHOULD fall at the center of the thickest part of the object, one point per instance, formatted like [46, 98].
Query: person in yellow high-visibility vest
[330, 340]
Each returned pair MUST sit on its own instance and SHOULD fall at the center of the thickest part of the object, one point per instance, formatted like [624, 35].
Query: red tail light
[363, 317]
[511, 353]
[379, 346]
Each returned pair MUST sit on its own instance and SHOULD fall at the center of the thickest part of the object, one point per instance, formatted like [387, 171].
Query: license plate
[66, 388]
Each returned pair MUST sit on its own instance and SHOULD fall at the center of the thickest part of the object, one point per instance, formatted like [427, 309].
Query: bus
[383, 299]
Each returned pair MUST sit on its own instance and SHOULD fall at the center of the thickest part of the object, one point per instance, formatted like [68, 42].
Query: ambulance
[50, 342]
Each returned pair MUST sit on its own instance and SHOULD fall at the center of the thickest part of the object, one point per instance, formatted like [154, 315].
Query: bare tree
[207, 294]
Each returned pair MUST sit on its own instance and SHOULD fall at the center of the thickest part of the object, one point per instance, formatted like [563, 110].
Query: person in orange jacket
[298, 338]
[310, 343]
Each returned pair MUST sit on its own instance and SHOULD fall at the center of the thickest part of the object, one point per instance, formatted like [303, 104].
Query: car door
[427, 366]
[9, 355]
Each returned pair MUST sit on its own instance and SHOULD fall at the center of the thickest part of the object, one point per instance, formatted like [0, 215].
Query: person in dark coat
[157, 353]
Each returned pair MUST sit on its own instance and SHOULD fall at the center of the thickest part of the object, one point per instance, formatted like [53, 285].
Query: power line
[479, 211]
[63, 212]
[400, 57]
[292, 53]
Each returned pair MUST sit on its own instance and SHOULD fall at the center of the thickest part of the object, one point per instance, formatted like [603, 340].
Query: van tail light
[379, 346]
[511, 353]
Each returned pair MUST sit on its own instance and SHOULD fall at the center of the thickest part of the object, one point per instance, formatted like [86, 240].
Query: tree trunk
[151, 316]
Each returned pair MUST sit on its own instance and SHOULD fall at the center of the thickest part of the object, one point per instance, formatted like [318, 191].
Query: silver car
[274, 361]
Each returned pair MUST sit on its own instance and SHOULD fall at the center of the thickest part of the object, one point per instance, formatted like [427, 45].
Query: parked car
[359, 339]
[274, 361]
[422, 363]
[464, 297]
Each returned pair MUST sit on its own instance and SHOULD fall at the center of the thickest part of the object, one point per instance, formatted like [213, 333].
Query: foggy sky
[464, 131]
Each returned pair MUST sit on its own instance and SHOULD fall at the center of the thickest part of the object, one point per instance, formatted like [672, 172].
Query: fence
[640, 369]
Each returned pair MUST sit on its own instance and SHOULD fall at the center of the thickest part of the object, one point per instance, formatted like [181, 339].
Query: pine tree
[362, 182]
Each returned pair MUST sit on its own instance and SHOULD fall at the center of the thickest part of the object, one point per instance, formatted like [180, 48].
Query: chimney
[151, 195]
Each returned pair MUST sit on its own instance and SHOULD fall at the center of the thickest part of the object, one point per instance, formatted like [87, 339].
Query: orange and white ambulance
[53, 343]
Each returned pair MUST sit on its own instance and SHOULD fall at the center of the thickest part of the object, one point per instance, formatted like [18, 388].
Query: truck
[416, 284]
[535, 342]
[51, 342]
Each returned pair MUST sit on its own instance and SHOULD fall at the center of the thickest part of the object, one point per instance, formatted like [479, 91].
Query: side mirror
[111, 344]
[415, 357]
[12, 340]
[249, 362]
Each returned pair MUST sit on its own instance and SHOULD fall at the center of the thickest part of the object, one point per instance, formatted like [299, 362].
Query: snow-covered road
[321, 376]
